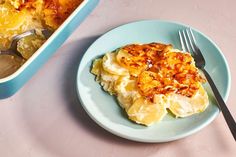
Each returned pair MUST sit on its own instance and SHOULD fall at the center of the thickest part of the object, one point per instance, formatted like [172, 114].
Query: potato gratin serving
[150, 79]
[18, 16]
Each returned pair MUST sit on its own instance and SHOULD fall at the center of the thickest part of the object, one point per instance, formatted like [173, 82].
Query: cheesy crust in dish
[151, 79]
[19, 16]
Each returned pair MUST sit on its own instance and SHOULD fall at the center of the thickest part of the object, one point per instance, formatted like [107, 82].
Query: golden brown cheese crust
[165, 71]
[56, 11]
[53, 12]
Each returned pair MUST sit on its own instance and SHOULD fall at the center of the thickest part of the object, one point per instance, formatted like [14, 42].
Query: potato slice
[127, 91]
[182, 106]
[110, 65]
[134, 64]
[145, 112]
[11, 19]
[97, 66]
[12, 22]
[29, 45]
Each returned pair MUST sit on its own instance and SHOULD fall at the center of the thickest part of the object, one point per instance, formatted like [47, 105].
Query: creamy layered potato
[151, 79]
[18, 16]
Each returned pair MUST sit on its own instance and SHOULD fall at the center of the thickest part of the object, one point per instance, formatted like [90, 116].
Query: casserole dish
[11, 84]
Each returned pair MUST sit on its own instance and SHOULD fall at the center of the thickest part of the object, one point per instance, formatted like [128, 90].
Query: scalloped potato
[150, 79]
[19, 16]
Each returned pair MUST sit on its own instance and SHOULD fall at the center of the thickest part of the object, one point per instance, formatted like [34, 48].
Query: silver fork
[188, 43]
[13, 47]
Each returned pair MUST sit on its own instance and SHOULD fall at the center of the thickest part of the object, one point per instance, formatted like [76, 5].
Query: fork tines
[187, 38]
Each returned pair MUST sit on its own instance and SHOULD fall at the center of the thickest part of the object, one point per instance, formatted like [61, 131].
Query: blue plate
[103, 108]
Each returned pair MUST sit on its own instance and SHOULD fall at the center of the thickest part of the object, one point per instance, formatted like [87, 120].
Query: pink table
[45, 119]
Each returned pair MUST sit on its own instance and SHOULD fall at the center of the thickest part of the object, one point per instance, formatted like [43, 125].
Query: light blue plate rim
[141, 139]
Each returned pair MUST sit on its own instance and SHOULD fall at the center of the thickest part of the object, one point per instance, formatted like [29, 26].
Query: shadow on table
[74, 106]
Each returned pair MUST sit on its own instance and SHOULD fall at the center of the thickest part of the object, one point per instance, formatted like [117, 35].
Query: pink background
[45, 119]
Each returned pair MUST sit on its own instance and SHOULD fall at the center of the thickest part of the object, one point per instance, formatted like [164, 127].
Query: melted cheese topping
[165, 71]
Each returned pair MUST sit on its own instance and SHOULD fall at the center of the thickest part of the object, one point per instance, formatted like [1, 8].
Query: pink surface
[45, 119]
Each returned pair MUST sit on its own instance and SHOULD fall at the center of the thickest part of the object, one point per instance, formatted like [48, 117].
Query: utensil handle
[226, 113]
[6, 52]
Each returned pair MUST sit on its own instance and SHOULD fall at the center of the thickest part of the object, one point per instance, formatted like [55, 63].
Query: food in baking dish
[151, 79]
[18, 16]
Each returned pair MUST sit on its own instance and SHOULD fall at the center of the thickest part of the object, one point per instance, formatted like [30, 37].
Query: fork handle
[226, 113]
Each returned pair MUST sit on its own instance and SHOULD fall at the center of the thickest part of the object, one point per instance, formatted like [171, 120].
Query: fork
[188, 44]
[13, 47]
